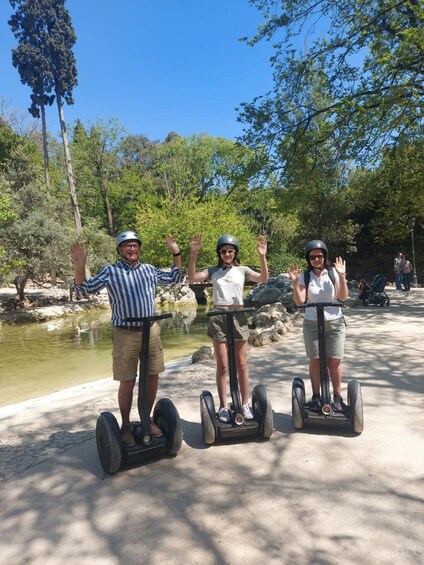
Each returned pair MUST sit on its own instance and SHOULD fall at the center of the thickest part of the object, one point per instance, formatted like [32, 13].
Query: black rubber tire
[299, 382]
[262, 411]
[207, 416]
[298, 403]
[356, 408]
[109, 444]
[166, 417]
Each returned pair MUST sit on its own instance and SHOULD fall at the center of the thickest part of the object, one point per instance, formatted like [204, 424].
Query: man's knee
[127, 386]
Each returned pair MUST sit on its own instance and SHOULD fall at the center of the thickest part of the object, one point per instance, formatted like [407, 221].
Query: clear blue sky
[155, 65]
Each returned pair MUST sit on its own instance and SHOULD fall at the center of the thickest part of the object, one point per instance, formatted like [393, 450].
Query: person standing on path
[131, 287]
[228, 278]
[321, 288]
[397, 269]
[406, 273]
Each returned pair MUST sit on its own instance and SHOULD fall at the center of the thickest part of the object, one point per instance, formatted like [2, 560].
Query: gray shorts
[334, 338]
[126, 346]
[217, 327]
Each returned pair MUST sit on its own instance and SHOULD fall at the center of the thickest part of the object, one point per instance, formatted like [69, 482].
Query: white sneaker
[246, 412]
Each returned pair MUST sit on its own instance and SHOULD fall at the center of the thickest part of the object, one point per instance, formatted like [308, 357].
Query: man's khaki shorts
[126, 347]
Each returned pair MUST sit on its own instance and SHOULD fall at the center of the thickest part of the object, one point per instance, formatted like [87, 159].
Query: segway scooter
[112, 452]
[262, 424]
[353, 413]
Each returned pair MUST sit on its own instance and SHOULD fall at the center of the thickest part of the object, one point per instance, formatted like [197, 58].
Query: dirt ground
[322, 495]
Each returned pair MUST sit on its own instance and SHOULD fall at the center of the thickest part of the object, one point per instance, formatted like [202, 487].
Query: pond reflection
[40, 358]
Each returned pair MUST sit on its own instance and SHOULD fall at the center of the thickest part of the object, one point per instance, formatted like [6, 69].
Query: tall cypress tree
[46, 63]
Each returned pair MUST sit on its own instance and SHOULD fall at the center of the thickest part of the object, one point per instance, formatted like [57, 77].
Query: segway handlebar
[317, 304]
[150, 318]
[230, 310]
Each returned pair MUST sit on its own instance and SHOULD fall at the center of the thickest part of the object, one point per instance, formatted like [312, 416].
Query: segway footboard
[142, 451]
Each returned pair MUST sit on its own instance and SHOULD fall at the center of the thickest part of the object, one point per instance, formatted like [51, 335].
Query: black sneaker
[315, 404]
[338, 403]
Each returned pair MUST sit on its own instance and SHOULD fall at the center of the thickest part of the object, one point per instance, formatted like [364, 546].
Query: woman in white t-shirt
[228, 279]
[322, 289]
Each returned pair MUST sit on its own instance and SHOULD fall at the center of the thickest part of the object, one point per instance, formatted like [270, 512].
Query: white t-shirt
[321, 290]
[228, 284]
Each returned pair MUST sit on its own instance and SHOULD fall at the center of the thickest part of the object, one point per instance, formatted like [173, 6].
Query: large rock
[204, 353]
[270, 323]
[277, 289]
[175, 293]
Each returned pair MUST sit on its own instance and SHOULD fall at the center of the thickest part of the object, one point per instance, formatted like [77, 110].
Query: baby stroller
[374, 293]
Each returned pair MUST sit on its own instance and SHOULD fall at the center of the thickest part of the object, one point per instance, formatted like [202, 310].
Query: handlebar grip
[150, 318]
[230, 311]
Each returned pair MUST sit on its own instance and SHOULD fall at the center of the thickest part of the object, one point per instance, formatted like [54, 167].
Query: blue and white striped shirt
[131, 291]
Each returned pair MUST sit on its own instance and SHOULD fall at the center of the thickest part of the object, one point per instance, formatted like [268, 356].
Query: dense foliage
[367, 58]
[334, 152]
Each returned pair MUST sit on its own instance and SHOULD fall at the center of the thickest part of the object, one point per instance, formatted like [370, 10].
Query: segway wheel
[298, 382]
[207, 415]
[109, 446]
[166, 417]
[298, 402]
[354, 398]
[262, 410]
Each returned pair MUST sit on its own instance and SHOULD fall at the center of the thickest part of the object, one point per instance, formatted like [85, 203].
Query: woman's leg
[314, 376]
[221, 356]
[335, 370]
[242, 370]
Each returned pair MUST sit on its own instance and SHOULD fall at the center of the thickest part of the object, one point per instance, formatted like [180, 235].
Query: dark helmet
[126, 236]
[227, 240]
[316, 244]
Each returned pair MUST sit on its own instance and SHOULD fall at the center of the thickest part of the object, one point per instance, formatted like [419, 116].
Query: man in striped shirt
[131, 287]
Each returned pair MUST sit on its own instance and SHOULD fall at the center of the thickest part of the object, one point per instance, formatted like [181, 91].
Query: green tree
[47, 64]
[212, 217]
[201, 165]
[391, 193]
[33, 231]
[35, 242]
[96, 156]
[369, 55]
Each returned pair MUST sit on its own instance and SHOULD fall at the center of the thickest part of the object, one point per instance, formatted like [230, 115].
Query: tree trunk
[74, 202]
[20, 285]
[45, 149]
[53, 273]
[108, 211]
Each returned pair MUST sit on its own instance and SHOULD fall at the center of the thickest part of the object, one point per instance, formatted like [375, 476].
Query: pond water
[40, 358]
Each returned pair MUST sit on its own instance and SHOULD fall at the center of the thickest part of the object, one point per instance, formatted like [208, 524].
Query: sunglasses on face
[315, 257]
[131, 246]
[225, 251]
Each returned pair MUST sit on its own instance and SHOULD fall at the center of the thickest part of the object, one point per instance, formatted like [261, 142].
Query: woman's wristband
[193, 255]
[176, 254]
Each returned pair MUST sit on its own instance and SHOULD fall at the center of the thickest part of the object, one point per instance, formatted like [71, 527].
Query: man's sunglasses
[315, 257]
